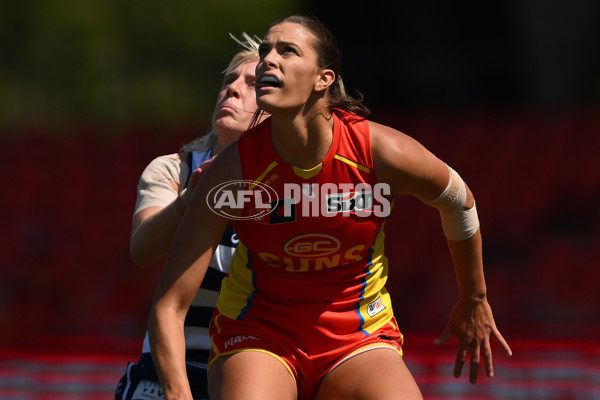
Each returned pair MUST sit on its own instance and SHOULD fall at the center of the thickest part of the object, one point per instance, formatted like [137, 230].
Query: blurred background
[507, 93]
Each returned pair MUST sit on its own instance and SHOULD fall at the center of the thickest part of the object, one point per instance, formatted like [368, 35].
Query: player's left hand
[473, 324]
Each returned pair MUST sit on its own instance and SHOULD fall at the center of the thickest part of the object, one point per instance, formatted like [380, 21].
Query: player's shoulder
[169, 165]
[347, 116]
[166, 160]
[385, 138]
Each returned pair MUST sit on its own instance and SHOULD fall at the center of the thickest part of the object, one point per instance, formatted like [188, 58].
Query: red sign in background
[74, 307]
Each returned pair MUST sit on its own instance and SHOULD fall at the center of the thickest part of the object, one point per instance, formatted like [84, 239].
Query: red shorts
[307, 366]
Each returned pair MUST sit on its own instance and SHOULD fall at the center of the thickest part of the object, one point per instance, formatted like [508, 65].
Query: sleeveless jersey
[316, 259]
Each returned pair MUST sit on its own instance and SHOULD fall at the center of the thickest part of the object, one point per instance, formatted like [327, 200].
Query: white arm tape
[458, 223]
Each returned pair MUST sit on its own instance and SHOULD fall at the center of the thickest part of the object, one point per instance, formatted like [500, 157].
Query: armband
[458, 223]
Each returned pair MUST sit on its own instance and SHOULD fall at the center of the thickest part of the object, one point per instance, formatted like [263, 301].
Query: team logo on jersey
[229, 198]
[311, 245]
[375, 307]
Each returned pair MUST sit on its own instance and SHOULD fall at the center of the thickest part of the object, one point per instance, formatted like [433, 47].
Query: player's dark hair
[329, 57]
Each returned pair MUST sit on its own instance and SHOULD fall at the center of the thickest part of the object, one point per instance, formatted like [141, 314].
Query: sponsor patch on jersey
[375, 307]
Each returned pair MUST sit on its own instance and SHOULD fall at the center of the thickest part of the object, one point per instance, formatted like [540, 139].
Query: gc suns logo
[229, 198]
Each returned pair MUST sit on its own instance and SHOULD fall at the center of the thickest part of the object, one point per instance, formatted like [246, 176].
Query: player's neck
[303, 141]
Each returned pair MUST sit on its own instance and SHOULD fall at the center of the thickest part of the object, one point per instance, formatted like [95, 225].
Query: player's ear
[325, 79]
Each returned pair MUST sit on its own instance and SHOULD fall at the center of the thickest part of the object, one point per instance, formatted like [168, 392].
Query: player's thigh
[375, 374]
[250, 375]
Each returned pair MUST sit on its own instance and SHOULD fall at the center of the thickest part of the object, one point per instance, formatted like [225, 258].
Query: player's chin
[230, 125]
[224, 113]
[226, 118]
[267, 103]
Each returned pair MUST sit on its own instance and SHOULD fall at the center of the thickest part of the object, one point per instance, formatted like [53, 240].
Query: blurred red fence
[67, 203]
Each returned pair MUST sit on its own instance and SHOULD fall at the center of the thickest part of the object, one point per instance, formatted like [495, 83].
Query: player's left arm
[410, 169]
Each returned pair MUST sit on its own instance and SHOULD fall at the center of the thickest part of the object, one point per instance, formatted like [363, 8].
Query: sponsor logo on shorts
[232, 341]
[148, 390]
[375, 307]
[311, 245]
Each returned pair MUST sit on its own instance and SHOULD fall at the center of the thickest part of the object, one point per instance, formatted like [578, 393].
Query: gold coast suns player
[304, 312]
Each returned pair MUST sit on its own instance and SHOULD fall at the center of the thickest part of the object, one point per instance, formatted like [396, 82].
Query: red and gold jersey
[315, 260]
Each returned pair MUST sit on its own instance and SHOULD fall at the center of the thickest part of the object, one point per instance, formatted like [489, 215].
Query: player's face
[287, 71]
[236, 102]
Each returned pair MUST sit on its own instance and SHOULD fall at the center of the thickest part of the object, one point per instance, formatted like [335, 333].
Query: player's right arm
[160, 205]
[199, 233]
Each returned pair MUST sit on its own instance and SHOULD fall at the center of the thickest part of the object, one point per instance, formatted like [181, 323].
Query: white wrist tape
[458, 222]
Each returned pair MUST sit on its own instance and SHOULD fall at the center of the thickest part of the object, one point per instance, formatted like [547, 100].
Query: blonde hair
[249, 53]
[250, 45]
